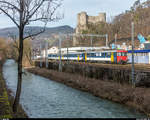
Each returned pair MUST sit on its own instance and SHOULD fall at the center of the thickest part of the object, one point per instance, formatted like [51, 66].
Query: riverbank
[137, 98]
[6, 100]
[113, 73]
[5, 109]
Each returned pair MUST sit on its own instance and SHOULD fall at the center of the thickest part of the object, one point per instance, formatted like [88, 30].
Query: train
[108, 56]
[140, 56]
[105, 56]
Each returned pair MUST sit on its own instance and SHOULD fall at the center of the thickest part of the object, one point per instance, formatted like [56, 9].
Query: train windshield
[122, 54]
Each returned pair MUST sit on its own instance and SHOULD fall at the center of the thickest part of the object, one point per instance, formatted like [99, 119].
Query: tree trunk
[18, 92]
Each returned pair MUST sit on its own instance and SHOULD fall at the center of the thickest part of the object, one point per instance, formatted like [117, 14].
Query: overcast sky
[70, 8]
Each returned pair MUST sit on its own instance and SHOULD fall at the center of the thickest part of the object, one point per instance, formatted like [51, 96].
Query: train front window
[118, 54]
[124, 54]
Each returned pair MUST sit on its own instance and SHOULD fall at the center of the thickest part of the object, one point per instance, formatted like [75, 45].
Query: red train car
[122, 56]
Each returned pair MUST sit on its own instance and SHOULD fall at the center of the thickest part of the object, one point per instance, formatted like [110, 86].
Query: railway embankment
[106, 82]
[106, 72]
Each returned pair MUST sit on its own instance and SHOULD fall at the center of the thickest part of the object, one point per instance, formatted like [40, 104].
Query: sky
[70, 9]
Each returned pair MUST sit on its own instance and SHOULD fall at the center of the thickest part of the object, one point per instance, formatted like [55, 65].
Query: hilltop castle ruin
[83, 20]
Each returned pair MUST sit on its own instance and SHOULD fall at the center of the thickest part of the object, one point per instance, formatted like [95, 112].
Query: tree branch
[30, 16]
[8, 3]
[10, 17]
[35, 34]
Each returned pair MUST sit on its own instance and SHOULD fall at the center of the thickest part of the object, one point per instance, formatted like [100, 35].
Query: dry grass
[20, 113]
[136, 97]
[5, 109]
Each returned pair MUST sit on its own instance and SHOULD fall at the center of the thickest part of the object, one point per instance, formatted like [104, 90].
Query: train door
[84, 57]
[78, 57]
[115, 57]
[112, 57]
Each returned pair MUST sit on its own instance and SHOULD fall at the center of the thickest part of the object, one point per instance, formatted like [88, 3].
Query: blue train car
[140, 56]
[110, 56]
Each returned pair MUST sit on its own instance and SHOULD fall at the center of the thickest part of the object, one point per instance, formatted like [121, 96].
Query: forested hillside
[139, 13]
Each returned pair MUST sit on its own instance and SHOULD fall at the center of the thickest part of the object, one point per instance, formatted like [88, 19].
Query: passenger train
[140, 56]
[109, 56]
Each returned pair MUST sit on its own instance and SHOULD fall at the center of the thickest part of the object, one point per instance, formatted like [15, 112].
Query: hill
[5, 32]
[49, 34]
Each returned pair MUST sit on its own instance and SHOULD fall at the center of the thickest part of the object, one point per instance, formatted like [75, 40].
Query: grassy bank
[137, 98]
[6, 101]
[5, 109]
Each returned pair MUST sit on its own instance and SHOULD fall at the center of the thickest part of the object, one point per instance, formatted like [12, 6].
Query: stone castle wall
[83, 20]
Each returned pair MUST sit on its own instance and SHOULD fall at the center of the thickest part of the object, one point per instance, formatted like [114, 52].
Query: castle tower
[102, 17]
[81, 25]
[81, 21]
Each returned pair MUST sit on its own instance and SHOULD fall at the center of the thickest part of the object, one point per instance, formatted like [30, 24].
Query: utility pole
[40, 55]
[133, 69]
[67, 48]
[60, 62]
[91, 43]
[46, 54]
[115, 41]
[106, 40]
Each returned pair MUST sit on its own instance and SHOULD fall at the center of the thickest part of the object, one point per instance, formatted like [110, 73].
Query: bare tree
[22, 13]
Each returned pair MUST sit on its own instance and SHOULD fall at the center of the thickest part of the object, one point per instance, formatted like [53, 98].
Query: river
[44, 98]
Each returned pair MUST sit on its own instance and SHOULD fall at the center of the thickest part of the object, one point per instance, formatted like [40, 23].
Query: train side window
[92, 54]
[103, 54]
[146, 54]
[142, 54]
[119, 54]
[108, 54]
[125, 54]
[100, 54]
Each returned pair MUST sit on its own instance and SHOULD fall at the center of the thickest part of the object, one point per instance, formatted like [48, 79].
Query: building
[83, 20]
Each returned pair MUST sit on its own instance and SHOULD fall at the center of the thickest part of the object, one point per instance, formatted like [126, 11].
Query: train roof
[139, 51]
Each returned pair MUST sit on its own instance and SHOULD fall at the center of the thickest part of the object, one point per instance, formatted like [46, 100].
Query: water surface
[43, 98]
